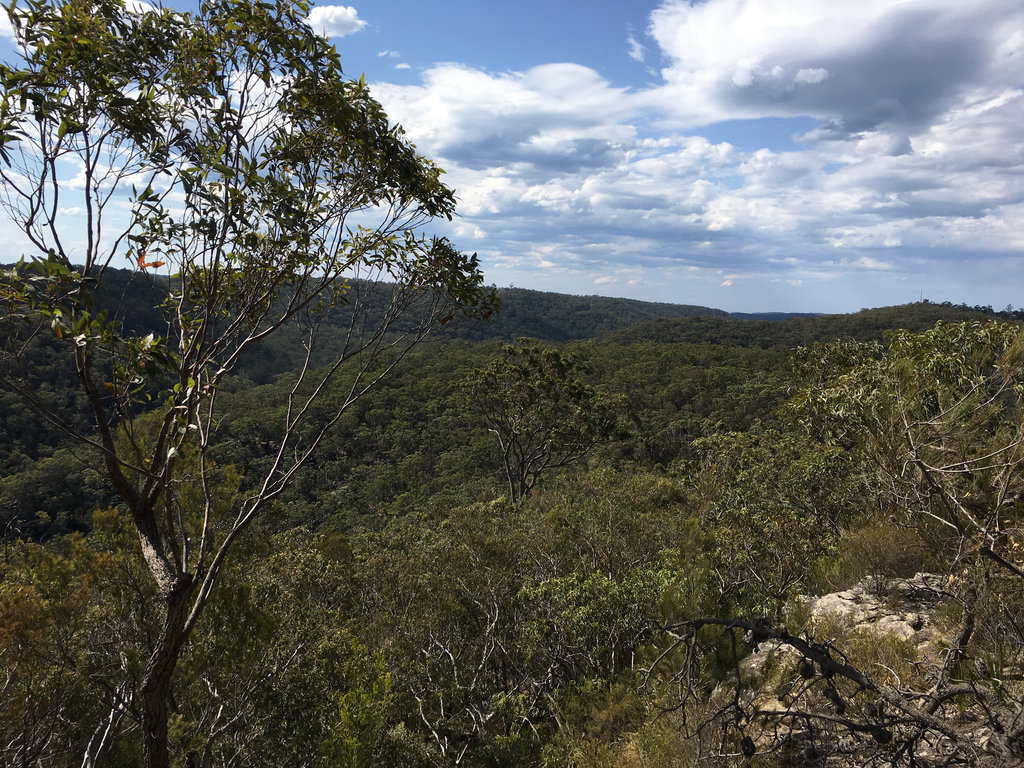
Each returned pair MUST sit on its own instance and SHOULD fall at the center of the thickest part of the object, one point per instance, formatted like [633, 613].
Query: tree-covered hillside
[559, 318]
[682, 378]
[865, 325]
[441, 623]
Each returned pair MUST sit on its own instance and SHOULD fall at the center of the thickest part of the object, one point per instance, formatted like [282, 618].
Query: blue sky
[491, 36]
[752, 155]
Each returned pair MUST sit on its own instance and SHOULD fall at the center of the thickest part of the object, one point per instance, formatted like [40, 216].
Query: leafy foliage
[542, 416]
[934, 420]
[771, 504]
[489, 618]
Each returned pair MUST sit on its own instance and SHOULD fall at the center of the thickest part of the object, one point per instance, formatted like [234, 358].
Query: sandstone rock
[902, 610]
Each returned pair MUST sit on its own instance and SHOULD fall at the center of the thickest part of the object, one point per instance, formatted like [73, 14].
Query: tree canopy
[541, 414]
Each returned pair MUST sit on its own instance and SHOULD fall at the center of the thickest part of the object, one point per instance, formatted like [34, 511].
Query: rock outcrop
[901, 607]
[798, 714]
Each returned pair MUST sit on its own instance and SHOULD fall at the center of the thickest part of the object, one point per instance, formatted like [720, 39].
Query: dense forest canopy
[682, 377]
[442, 621]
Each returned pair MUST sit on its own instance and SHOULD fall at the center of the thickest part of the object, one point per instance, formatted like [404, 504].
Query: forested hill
[560, 318]
[772, 315]
[557, 317]
[399, 574]
[866, 325]
[408, 439]
[551, 317]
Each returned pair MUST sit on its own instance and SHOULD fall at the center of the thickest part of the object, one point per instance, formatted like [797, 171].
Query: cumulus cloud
[863, 65]
[335, 20]
[917, 158]
[562, 115]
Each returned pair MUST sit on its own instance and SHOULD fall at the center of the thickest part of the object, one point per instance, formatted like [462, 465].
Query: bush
[879, 551]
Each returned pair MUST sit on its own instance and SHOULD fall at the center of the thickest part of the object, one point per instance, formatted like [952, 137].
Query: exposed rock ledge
[899, 606]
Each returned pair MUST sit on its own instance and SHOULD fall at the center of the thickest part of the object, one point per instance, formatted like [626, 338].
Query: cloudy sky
[753, 155]
[812, 155]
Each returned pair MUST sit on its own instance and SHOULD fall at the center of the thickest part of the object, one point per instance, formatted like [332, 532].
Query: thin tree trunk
[156, 682]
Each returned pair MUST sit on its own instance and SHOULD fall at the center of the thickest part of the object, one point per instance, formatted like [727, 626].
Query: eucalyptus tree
[541, 413]
[770, 504]
[224, 156]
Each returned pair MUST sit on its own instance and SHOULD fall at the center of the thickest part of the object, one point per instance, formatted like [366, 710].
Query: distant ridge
[559, 317]
[799, 330]
[773, 316]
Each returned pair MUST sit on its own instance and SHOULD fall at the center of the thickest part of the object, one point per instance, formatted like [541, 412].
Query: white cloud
[139, 7]
[915, 160]
[335, 20]
[915, 163]
[867, 262]
[811, 76]
[863, 64]
[634, 49]
[632, 277]
[552, 114]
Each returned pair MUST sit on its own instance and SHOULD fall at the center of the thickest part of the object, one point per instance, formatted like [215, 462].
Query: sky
[751, 155]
